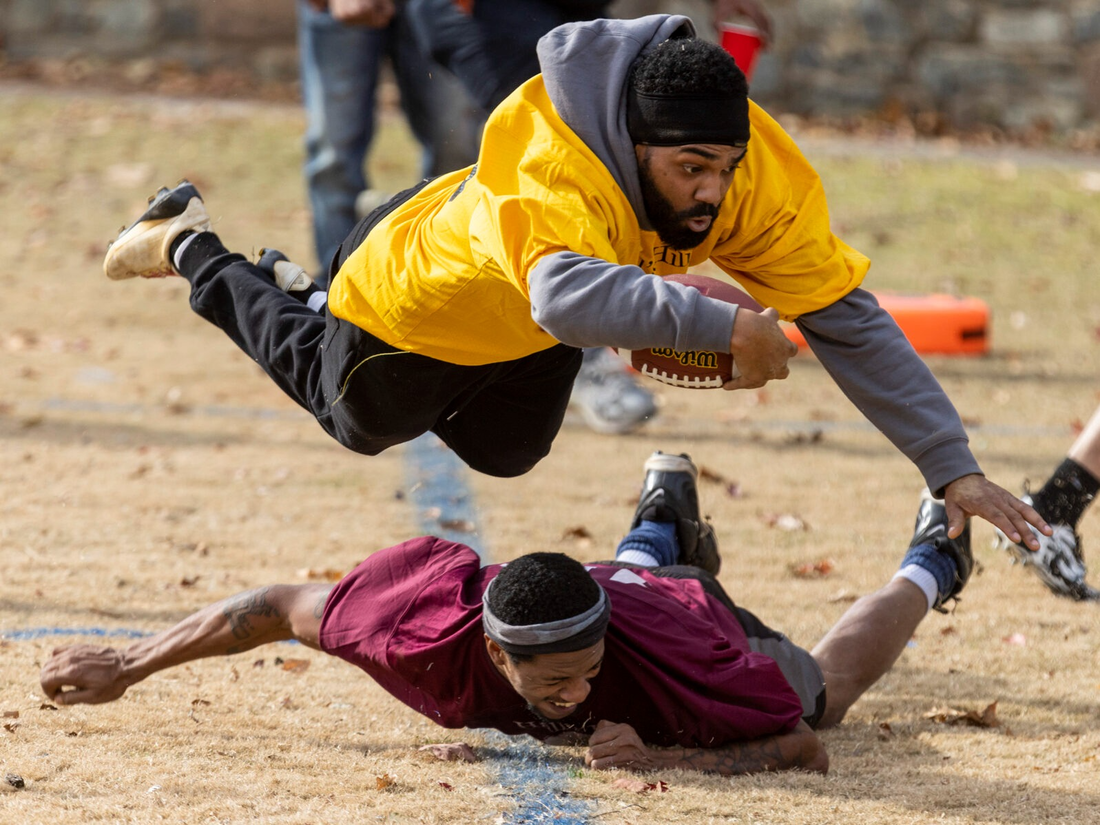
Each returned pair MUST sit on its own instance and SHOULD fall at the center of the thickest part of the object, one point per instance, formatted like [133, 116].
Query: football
[695, 369]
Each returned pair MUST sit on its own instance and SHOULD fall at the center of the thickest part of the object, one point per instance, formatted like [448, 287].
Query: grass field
[148, 468]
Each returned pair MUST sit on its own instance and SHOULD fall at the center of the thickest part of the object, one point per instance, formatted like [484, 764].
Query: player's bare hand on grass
[760, 349]
[617, 745]
[84, 674]
[975, 495]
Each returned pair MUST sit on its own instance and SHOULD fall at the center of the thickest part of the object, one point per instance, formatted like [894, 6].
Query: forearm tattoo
[737, 759]
[243, 609]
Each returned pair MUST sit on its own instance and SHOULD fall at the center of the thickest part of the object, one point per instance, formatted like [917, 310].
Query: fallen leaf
[10, 714]
[579, 536]
[11, 727]
[812, 569]
[22, 339]
[445, 786]
[295, 665]
[632, 785]
[327, 575]
[885, 732]
[977, 719]
[711, 477]
[384, 781]
[459, 525]
[638, 786]
[450, 752]
[784, 521]
[812, 437]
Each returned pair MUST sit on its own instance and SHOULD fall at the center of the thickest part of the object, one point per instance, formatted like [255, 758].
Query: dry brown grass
[149, 468]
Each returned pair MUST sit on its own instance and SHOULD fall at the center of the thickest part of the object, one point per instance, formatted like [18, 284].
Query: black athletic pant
[500, 419]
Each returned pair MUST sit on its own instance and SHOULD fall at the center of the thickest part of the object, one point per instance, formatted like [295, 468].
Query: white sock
[317, 301]
[637, 557]
[186, 242]
[923, 579]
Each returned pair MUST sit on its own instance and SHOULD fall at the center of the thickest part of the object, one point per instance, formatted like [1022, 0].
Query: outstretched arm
[90, 674]
[616, 745]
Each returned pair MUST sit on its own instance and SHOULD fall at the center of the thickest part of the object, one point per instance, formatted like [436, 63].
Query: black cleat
[931, 528]
[669, 495]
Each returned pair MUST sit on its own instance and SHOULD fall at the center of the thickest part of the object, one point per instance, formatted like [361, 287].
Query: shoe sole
[166, 205]
[1020, 554]
[665, 463]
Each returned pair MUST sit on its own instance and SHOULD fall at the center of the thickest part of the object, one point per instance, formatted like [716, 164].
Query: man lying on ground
[647, 659]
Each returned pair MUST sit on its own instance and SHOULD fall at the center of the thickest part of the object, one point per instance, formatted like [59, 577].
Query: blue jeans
[340, 68]
[492, 51]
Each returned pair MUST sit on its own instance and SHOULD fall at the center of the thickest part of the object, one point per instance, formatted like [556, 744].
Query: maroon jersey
[677, 665]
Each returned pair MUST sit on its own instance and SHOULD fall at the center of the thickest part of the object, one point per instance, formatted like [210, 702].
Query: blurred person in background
[343, 46]
[1062, 500]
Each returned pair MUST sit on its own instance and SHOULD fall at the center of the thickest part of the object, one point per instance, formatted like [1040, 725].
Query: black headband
[676, 120]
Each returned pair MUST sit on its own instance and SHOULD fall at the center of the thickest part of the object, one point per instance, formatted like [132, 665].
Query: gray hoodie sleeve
[867, 355]
[589, 302]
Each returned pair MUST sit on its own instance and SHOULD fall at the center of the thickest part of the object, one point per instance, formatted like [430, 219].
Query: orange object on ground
[934, 324]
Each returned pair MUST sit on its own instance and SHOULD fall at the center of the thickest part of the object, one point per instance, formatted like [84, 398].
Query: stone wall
[1008, 63]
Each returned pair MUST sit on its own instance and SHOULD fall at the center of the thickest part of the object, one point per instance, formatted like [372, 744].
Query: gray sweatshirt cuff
[589, 302]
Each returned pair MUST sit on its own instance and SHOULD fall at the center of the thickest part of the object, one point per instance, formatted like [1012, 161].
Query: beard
[666, 221]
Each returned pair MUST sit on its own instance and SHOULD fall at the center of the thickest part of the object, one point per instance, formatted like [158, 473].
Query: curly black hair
[542, 587]
[687, 66]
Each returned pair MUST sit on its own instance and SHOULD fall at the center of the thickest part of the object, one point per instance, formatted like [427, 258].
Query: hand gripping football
[695, 369]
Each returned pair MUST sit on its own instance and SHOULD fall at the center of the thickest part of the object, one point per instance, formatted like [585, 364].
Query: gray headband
[677, 120]
[561, 636]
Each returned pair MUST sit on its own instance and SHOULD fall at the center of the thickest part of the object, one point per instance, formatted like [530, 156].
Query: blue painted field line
[57, 404]
[31, 633]
[445, 507]
[43, 632]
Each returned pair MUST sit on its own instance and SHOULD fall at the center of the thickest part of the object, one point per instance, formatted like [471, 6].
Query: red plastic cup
[743, 45]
